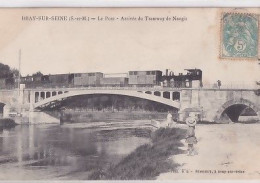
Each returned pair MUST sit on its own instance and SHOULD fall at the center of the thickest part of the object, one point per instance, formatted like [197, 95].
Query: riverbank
[7, 123]
[71, 116]
[99, 126]
[147, 161]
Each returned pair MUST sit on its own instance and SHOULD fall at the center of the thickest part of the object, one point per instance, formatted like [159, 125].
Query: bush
[7, 123]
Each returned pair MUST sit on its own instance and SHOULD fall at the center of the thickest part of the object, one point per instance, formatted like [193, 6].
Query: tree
[37, 74]
[15, 72]
[5, 71]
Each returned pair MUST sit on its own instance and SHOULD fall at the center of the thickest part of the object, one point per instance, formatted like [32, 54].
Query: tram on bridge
[149, 78]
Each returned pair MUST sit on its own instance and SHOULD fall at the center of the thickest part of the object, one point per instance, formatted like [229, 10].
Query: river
[54, 152]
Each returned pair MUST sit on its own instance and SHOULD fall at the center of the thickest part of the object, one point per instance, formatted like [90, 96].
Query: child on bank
[191, 139]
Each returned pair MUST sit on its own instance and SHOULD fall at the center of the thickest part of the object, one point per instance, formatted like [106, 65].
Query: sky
[120, 46]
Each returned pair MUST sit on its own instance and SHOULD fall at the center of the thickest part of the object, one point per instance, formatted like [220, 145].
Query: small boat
[155, 123]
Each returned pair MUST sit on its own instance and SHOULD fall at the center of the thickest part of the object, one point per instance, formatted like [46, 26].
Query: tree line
[6, 72]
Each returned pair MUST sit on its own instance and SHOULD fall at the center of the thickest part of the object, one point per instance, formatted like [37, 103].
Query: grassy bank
[148, 160]
[7, 123]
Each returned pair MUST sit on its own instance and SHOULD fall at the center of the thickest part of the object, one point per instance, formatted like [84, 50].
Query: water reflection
[57, 152]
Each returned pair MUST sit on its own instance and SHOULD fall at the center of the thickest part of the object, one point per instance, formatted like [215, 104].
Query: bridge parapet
[158, 88]
[107, 88]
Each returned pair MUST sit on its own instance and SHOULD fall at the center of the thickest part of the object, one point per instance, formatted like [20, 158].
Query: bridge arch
[167, 95]
[157, 93]
[234, 108]
[176, 95]
[148, 92]
[159, 99]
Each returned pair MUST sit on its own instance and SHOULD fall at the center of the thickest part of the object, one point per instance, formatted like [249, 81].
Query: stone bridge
[214, 105]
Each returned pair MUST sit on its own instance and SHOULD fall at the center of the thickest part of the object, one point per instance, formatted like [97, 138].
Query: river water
[54, 152]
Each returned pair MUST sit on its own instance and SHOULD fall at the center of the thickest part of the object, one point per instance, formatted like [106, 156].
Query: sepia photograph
[129, 94]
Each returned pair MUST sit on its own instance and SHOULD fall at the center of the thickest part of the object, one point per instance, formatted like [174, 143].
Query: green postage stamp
[239, 36]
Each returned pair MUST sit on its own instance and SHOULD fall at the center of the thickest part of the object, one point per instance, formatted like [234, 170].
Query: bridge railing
[211, 86]
[148, 88]
[232, 86]
[107, 88]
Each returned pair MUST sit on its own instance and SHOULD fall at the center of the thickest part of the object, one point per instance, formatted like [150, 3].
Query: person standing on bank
[169, 119]
[191, 139]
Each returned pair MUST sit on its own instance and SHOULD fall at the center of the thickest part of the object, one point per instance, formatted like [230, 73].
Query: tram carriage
[144, 78]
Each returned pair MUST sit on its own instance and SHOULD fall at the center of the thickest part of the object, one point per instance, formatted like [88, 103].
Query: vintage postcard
[129, 94]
